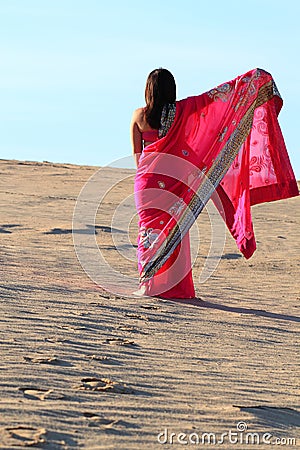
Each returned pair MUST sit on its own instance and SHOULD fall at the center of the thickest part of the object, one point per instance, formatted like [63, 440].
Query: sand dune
[83, 368]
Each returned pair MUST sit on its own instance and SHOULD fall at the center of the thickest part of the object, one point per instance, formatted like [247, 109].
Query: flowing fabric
[226, 140]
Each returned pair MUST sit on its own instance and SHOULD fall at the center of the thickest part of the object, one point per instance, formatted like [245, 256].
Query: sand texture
[82, 368]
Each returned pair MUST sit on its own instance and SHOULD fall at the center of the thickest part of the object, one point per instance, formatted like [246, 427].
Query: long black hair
[160, 90]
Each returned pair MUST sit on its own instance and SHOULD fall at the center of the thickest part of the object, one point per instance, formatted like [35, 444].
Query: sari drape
[226, 140]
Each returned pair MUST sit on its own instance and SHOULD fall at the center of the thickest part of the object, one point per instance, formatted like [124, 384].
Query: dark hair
[160, 90]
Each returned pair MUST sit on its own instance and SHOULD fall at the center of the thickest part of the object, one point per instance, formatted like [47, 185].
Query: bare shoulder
[138, 116]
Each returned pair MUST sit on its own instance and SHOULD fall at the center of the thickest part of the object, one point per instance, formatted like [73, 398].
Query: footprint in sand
[41, 359]
[41, 394]
[95, 420]
[120, 341]
[127, 328]
[131, 329]
[46, 360]
[55, 340]
[104, 359]
[103, 385]
[136, 316]
[22, 436]
[150, 306]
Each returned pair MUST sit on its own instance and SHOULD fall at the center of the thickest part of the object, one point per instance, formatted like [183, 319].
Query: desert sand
[85, 368]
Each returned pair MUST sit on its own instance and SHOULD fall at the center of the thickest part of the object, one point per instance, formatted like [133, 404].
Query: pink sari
[230, 133]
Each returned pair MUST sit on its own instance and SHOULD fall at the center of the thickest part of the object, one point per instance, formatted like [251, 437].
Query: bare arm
[137, 158]
[136, 137]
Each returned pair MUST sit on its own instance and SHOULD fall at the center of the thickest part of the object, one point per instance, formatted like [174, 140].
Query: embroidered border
[209, 184]
[167, 119]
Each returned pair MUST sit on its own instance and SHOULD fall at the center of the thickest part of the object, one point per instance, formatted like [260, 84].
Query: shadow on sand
[274, 416]
[235, 309]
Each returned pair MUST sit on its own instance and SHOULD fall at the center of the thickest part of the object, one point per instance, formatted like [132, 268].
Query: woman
[230, 133]
[149, 124]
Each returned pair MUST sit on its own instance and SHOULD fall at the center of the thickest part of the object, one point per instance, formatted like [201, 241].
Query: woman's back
[160, 91]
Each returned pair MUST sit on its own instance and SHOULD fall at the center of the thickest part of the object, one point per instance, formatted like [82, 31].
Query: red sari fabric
[232, 134]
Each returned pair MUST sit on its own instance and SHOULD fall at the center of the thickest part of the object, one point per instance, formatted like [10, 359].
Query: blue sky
[72, 71]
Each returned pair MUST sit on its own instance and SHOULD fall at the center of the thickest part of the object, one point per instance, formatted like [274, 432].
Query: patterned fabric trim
[209, 183]
[167, 118]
